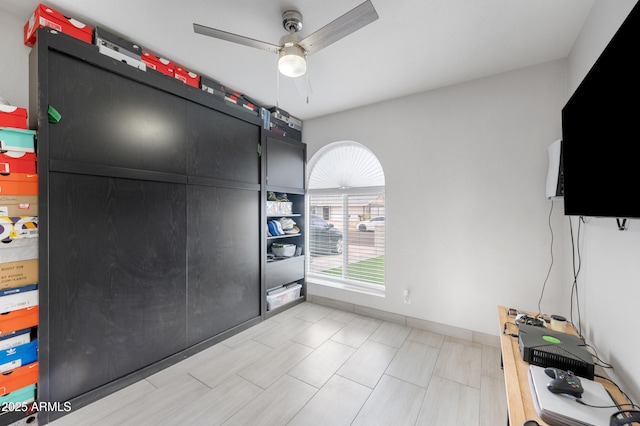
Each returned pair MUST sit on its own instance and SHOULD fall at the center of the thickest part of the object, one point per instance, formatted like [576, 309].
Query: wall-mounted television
[601, 132]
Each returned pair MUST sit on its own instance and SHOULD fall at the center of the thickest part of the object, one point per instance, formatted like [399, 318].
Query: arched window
[346, 207]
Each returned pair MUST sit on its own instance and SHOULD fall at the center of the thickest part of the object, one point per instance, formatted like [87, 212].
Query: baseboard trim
[446, 330]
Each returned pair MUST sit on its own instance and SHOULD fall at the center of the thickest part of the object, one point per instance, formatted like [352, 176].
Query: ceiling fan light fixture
[292, 62]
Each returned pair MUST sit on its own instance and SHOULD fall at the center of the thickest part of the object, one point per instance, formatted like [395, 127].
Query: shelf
[291, 259]
[283, 236]
[284, 215]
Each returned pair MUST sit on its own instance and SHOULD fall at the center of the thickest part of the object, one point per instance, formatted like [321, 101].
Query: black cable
[603, 363]
[576, 272]
[619, 389]
[504, 329]
[579, 401]
[544, 284]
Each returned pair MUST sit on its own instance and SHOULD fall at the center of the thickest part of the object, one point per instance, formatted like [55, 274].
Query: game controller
[529, 320]
[564, 382]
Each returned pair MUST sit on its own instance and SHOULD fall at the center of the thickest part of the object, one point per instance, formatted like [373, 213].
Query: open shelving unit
[284, 174]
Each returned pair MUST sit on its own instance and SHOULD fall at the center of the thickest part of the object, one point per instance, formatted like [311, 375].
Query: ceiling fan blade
[348, 23]
[223, 35]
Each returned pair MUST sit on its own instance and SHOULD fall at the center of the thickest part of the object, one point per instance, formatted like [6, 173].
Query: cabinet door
[221, 146]
[110, 120]
[224, 259]
[117, 278]
[285, 163]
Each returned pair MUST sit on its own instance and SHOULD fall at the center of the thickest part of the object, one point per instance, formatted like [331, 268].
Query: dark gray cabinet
[221, 146]
[151, 200]
[223, 260]
[116, 279]
[109, 119]
[285, 165]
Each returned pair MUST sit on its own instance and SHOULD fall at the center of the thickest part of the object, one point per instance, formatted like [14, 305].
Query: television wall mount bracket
[622, 226]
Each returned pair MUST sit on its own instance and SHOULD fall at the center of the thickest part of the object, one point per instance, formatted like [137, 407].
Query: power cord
[576, 272]
[619, 390]
[579, 401]
[544, 284]
[602, 363]
[504, 329]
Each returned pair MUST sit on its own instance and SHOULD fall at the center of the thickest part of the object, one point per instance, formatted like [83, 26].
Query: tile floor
[316, 365]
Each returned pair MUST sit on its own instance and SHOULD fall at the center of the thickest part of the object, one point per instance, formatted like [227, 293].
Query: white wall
[14, 61]
[466, 215]
[467, 218]
[609, 281]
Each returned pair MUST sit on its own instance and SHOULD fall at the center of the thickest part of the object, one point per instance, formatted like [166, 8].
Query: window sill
[356, 288]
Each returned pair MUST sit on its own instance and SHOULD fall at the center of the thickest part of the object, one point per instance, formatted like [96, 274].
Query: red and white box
[165, 66]
[17, 162]
[44, 16]
[11, 116]
[187, 77]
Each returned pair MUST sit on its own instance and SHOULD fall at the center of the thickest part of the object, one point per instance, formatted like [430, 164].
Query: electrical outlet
[407, 299]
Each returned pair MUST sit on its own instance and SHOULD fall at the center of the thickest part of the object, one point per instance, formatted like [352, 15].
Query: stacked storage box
[45, 16]
[119, 48]
[230, 96]
[281, 122]
[282, 295]
[18, 259]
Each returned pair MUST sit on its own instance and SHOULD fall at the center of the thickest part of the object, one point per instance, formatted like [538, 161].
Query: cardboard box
[285, 117]
[13, 358]
[11, 116]
[274, 127]
[187, 77]
[19, 140]
[12, 299]
[18, 250]
[16, 379]
[282, 128]
[25, 395]
[15, 338]
[18, 320]
[157, 63]
[213, 87]
[19, 184]
[18, 227]
[18, 274]
[250, 105]
[18, 205]
[18, 162]
[45, 16]
[237, 101]
[119, 48]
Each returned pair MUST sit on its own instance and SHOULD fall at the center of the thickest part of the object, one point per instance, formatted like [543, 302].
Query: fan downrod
[292, 21]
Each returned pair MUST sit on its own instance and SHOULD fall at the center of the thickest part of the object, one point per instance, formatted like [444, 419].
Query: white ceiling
[415, 45]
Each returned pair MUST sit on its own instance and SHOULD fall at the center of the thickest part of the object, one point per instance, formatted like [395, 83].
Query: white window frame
[344, 192]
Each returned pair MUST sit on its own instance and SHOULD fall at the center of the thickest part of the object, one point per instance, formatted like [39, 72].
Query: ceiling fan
[293, 49]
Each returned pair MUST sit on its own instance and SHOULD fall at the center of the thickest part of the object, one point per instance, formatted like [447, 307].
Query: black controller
[564, 382]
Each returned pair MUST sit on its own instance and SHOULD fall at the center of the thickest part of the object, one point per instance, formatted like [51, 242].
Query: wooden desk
[516, 375]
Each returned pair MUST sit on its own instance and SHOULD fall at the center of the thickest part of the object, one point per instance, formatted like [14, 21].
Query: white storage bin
[282, 295]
